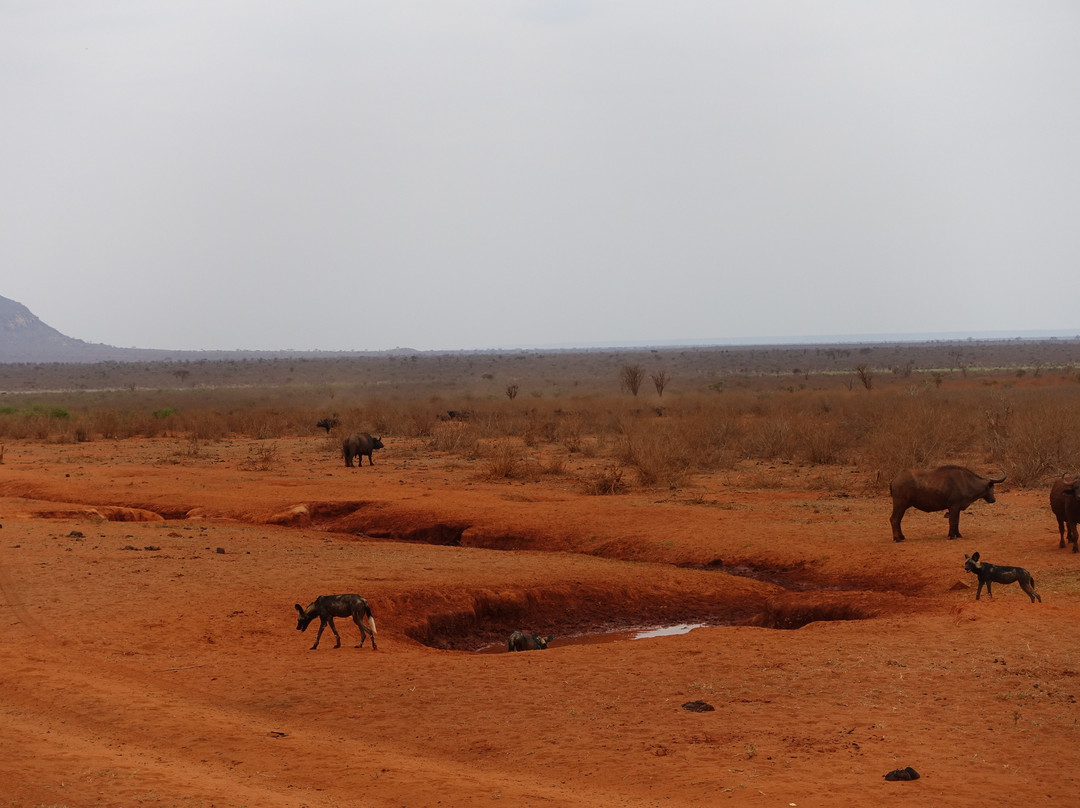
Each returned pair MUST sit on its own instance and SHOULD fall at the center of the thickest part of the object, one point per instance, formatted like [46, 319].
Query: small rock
[903, 774]
[221, 551]
[698, 707]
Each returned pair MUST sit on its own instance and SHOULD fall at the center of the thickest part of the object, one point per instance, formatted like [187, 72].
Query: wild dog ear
[300, 609]
[975, 557]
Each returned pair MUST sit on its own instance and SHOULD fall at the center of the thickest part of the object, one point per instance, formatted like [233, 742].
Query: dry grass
[991, 420]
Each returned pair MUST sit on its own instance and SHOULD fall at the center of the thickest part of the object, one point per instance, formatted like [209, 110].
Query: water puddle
[618, 635]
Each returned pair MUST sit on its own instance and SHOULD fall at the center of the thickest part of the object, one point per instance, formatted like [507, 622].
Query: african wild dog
[527, 641]
[998, 574]
[327, 607]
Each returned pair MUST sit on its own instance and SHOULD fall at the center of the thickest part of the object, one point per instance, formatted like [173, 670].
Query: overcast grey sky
[513, 173]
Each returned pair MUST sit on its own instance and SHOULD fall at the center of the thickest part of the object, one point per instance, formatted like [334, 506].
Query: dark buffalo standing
[358, 445]
[947, 488]
[1065, 503]
[527, 641]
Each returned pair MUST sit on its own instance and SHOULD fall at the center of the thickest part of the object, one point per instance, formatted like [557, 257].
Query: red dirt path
[144, 667]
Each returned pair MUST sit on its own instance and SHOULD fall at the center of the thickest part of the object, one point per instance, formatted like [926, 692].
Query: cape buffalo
[527, 641]
[947, 488]
[327, 607]
[1066, 507]
[358, 445]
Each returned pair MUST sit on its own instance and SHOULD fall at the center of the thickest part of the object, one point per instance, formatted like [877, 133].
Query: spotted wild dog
[998, 574]
[327, 607]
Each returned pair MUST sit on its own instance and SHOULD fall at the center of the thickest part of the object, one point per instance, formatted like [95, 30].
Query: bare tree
[660, 380]
[511, 391]
[865, 376]
[631, 377]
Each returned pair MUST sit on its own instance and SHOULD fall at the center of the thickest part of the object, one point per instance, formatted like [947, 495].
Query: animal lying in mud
[527, 641]
[1000, 574]
[357, 445]
[327, 607]
[946, 488]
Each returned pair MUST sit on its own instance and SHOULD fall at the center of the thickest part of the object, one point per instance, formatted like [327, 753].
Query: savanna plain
[160, 521]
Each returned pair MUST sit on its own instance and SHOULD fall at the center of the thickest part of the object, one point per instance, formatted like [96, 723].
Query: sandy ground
[156, 662]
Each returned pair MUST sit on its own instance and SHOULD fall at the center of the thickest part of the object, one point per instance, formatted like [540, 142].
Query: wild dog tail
[371, 621]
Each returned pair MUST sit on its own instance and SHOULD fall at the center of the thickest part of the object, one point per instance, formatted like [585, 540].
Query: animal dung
[906, 773]
[701, 707]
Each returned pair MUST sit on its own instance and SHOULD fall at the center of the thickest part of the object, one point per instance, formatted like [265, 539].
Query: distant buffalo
[358, 445]
[527, 641]
[947, 488]
[1066, 507]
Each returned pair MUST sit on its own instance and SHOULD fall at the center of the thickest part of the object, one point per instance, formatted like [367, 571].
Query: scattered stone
[75, 534]
[221, 551]
[151, 547]
[698, 707]
[907, 773]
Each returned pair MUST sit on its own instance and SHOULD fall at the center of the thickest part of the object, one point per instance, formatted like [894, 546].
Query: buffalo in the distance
[357, 445]
[1065, 503]
[946, 488]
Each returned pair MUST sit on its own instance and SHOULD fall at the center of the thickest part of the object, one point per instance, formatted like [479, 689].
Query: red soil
[143, 665]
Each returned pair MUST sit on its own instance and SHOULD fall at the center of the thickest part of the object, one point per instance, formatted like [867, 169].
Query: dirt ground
[150, 651]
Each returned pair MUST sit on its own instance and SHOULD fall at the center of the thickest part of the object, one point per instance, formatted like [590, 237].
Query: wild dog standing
[998, 574]
[327, 607]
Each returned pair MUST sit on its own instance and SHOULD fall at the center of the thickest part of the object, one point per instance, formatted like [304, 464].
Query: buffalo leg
[954, 530]
[894, 520]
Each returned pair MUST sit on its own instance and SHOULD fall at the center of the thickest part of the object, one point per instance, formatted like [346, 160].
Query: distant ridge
[24, 338]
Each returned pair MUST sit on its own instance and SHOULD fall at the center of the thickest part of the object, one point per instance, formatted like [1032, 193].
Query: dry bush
[608, 481]
[205, 426]
[506, 461]
[1039, 442]
[820, 441]
[769, 437]
[455, 437]
[649, 448]
[262, 457]
[919, 432]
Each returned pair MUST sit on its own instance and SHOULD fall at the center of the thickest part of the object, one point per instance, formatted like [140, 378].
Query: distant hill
[24, 338]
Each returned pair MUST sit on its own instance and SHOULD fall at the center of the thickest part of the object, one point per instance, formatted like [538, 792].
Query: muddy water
[622, 635]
